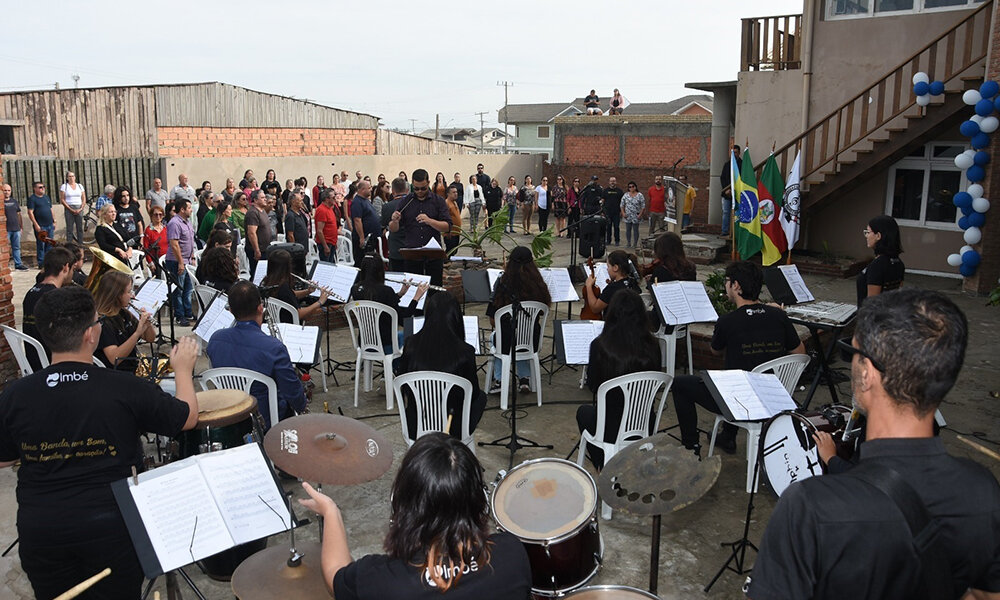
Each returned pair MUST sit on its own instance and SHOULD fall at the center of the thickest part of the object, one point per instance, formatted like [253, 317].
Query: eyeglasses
[847, 352]
[420, 189]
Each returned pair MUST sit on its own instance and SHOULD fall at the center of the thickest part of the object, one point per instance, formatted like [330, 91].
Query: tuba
[103, 262]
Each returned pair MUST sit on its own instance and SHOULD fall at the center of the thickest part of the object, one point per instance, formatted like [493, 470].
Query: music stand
[738, 548]
[418, 254]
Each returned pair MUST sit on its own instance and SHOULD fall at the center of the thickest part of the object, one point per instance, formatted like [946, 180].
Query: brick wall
[986, 276]
[591, 150]
[216, 142]
[8, 366]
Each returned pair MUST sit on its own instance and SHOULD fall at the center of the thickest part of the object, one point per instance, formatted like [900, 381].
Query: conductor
[421, 217]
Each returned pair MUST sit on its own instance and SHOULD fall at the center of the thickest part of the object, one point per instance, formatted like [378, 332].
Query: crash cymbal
[266, 575]
[654, 476]
[331, 449]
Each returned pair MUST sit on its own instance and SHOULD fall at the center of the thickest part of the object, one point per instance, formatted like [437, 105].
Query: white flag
[791, 208]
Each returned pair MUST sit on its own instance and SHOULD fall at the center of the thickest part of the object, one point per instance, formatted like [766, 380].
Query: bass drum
[550, 504]
[610, 592]
[788, 449]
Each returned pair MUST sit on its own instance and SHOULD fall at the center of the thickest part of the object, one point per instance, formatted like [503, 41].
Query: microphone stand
[573, 239]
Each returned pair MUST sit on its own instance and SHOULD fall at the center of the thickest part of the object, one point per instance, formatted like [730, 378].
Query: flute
[413, 283]
[153, 318]
[321, 288]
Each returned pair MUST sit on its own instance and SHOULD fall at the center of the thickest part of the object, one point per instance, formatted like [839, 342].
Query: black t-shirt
[217, 283]
[494, 198]
[754, 334]
[609, 290]
[376, 576]
[884, 271]
[590, 199]
[613, 200]
[130, 220]
[835, 536]
[76, 428]
[31, 298]
[285, 293]
[591, 101]
[114, 331]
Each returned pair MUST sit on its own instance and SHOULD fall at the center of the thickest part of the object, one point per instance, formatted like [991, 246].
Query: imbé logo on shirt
[53, 379]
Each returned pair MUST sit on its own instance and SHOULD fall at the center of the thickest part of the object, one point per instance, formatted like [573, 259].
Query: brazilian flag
[748, 234]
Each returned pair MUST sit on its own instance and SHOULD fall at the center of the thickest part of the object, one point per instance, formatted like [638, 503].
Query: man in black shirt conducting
[422, 216]
[75, 429]
[845, 535]
[750, 335]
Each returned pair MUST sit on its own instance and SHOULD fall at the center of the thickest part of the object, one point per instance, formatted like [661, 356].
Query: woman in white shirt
[473, 200]
[72, 196]
[542, 202]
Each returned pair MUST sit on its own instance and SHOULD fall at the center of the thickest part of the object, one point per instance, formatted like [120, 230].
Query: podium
[422, 254]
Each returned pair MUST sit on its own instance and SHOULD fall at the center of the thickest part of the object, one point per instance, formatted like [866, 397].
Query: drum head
[217, 408]
[544, 500]
[609, 592]
[789, 452]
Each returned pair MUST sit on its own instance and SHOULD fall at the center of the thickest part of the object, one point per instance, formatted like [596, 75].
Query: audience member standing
[12, 211]
[40, 212]
[180, 252]
[526, 201]
[258, 229]
[481, 177]
[327, 228]
[474, 200]
[107, 198]
[230, 191]
[155, 196]
[297, 221]
[247, 176]
[440, 186]
[494, 200]
[656, 204]
[72, 196]
[573, 205]
[129, 217]
[542, 202]
[557, 196]
[461, 191]
[366, 221]
[185, 191]
[689, 197]
[510, 198]
[613, 210]
[632, 206]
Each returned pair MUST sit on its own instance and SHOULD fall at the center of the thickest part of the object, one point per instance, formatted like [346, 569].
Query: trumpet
[413, 283]
[337, 297]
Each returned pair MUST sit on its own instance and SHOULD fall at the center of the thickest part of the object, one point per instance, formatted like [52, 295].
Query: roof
[543, 113]
[452, 131]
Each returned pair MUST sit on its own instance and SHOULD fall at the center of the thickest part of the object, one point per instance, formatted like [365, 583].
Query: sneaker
[21, 268]
[523, 386]
[182, 322]
[696, 448]
[495, 387]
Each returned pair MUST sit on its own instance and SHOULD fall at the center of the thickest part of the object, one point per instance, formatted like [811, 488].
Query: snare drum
[789, 452]
[225, 420]
[610, 592]
[551, 506]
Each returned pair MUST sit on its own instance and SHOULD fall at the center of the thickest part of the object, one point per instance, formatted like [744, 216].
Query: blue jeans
[727, 214]
[15, 246]
[523, 369]
[182, 293]
[630, 229]
[510, 216]
[686, 220]
[40, 246]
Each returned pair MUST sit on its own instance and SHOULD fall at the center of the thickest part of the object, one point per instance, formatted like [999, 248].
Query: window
[7, 139]
[543, 132]
[841, 9]
[922, 185]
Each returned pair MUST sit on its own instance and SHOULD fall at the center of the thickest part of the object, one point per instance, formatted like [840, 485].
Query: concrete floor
[690, 549]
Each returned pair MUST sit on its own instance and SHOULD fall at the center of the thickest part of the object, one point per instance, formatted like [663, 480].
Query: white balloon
[975, 190]
[977, 119]
[965, 249]
[980, 205]
[972, 235]
[970, 97]
[989, 124]
[923, 100]
[955, 260]
[964, 161]
[921, 76]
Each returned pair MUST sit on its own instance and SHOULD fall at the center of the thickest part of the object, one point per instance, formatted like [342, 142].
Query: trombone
[413, 283]
[332, 294]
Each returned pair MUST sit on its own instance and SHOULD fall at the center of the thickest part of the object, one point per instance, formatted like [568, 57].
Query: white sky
[394, 59]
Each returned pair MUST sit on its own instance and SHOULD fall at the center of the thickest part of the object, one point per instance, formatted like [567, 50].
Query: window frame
[548, 132]
[927, 164]
[918, 8]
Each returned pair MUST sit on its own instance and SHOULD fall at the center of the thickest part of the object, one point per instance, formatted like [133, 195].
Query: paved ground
[690, 549]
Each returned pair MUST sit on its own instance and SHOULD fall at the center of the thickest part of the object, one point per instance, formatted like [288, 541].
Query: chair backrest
[524, 338]
[205, 294]
[787, 368]
[233, 378]
[345, 250]
[99, 363]
[244, 262]
[363, 318]
[275, 308]
[430, 391]
[640, 390]
[312, 254]
[17, 340]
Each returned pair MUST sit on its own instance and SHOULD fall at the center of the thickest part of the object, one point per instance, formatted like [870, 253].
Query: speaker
[298, 253]
[592, 237]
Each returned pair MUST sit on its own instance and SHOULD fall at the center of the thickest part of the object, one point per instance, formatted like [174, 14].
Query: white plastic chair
[205, 293]
[345, 250]
[640, 391]
[244, 262]
[312, 252]
[234, 378]
[788, 369]
[363, 318]
[17, 340]
[430, 391]
[275, 308]
[98, 362]
[524, 347]
[668, 348]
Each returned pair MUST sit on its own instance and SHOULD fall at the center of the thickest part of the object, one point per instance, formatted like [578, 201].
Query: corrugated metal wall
[393, 143]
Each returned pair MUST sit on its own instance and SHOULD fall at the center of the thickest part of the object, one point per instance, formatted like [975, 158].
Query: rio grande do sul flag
[748, 235]
[770, 185]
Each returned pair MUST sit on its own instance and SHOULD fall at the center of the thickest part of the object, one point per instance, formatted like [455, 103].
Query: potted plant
[475, 240]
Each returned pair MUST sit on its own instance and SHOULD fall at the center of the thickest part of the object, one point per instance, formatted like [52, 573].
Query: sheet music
[796, 283]
[600, 273]
[577, 336]
[471, 325]
[150, 296]
[216, 317]
[560, 285]
[683, 302]
[236, 477]
[260, 271]
[339, 278]
[432, 244]
[836, 313]
[410, 293]
[493, 275]
[752, 396]
[300, 340]
[471, 259]
[169, 499]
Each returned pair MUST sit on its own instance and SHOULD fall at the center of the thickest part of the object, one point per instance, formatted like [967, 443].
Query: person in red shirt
[154, 240]
[326, 226]
[656, 204]
[318, 189]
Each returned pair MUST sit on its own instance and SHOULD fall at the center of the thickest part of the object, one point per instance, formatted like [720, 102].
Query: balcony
[771, 43]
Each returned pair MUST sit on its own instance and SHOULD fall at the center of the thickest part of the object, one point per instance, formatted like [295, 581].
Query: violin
[586, 313]
[647, 270]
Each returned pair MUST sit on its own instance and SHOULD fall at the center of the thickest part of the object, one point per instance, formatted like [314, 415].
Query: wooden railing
[945, 58]
[771, 43]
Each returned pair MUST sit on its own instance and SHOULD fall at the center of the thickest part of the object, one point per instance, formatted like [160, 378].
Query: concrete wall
[768, 108]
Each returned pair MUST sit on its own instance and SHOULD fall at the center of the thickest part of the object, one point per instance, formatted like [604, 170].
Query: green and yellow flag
[748, 234]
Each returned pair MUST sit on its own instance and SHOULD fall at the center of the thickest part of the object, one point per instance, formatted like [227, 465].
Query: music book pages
[301, 341]
[836, 313]
[796, 283]
[216, 317]
[560, 285]
[577, 336]
[471, 324]
[751, 396]
[151, 295]
[493, 275]
[406, 298]
[683, 302]
[260, 271]
[338, 278]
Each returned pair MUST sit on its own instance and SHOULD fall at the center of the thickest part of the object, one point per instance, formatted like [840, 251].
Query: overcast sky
[390, 58]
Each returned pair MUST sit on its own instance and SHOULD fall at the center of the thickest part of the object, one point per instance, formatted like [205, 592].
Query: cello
[586, 313]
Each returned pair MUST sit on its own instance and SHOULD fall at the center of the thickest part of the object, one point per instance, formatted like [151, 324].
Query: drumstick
[980, 447]
[447, 426]
[80, 588]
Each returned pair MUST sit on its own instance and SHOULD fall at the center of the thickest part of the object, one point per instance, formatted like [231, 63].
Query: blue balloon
[921, 87]
[996, 103]
[963, 223]
[969, 129]
[937, 88]
[989, 89]
[982, 158]
[962, 199]
[980, 140]
[984, 107]
[975, 173]
[971, 258]
[976, 220]
[967, 270]
[966, 210]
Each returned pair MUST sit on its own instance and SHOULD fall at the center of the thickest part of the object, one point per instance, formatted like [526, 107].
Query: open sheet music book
[471, 324]
[786, 285]
[196, 507]
[560, 285]
[432, 244]
[683, 302]
[406, 298]
[339, 278]
[216, 317]
[576, 339]
[494, 276]
[746, 396]
[151, 295]
[301, 341]
[260, 271]
[823, 311]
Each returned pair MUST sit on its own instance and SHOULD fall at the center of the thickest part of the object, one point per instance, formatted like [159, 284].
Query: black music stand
[738, 548]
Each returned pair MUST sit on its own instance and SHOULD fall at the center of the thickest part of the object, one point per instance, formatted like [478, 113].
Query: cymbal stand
[738, 549]
[173, 588]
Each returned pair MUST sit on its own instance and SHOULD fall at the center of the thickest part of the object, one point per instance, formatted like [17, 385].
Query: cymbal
[654, 476]
[331, 449]
[266, 575]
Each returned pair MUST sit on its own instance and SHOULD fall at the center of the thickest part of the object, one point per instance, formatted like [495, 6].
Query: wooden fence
[135, 173]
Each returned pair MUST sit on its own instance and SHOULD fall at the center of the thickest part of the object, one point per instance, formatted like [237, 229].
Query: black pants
[397, 264]
[574, 218]
[586, 420]
[543, 219]
[689, 391]
[434, 268]
[614, 223]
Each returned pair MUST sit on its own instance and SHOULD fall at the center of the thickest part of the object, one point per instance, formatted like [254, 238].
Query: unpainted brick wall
[8, 366]
[215, 142]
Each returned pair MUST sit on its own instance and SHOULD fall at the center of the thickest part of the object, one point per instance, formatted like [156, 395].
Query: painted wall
[768, 108]
[527, 137]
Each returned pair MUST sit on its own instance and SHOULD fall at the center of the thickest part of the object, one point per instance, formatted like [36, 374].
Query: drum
[550, 504]
[225, 420]
[610, 592]
[789, 452]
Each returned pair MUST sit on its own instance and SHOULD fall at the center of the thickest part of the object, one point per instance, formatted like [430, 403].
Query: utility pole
[437, 126]
[480, 131]
[413, 126]
[505, 85]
